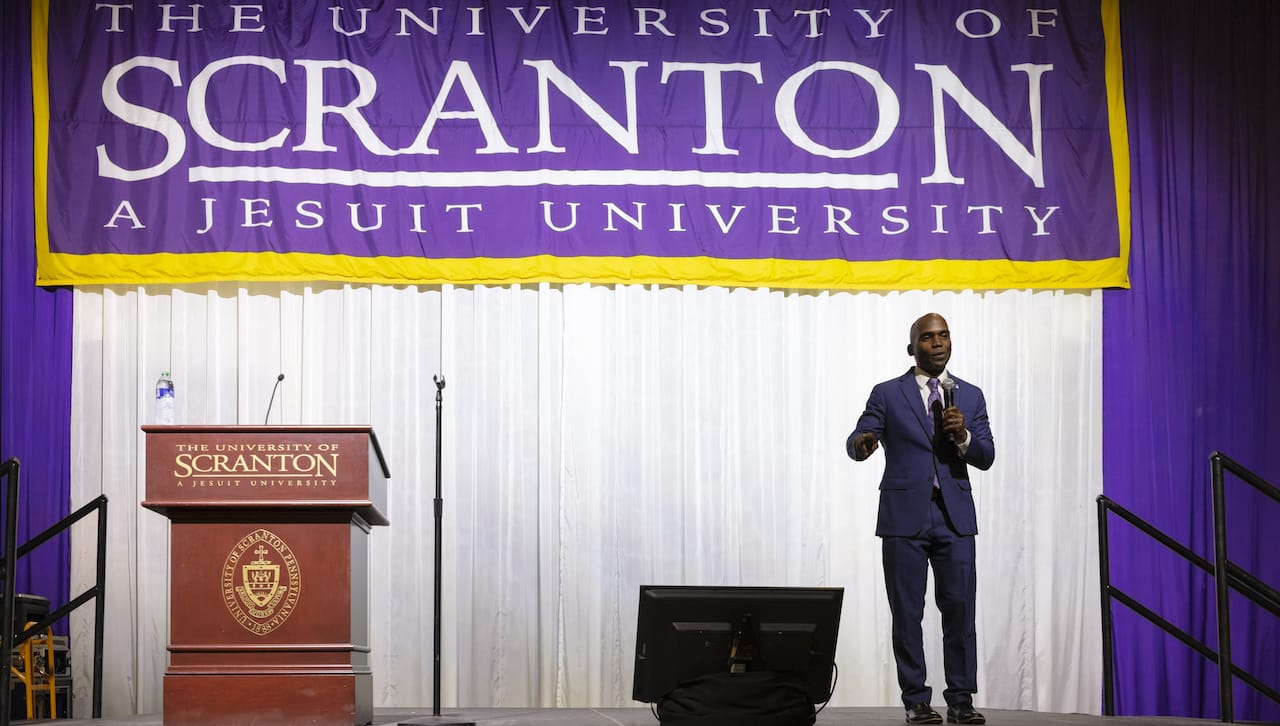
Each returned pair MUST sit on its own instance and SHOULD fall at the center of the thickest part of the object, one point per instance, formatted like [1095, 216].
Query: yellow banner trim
[57, 269]
[1119, 126]
[40, 142]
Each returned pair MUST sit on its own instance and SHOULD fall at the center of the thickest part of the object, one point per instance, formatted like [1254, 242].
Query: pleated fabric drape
[600, 438]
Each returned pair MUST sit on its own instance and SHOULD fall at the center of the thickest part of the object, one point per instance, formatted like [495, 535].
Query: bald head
[915, 327]
[930, 343]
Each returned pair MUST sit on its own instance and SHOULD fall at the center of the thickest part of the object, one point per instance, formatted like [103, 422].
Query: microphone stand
[435, 717]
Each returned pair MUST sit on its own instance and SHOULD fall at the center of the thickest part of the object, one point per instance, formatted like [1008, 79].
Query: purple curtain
[1192, 352]
[35, 333]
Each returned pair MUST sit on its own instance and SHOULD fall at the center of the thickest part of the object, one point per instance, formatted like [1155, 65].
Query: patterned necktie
[934, 398]
[934, 404]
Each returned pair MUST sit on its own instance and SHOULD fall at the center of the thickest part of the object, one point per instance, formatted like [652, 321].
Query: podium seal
[261, 582]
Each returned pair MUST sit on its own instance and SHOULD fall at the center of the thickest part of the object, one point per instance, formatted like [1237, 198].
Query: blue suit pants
[906, 564]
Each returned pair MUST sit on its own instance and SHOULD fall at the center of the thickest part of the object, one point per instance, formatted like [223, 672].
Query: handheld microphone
[948, 393]
[949, 399]
[273, 399]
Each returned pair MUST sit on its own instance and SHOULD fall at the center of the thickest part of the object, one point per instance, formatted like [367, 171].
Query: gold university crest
[261, 582]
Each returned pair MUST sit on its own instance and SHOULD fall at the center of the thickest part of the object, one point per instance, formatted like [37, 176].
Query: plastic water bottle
[165, 400]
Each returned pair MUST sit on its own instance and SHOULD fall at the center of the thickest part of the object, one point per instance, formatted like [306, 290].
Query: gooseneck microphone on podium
[274, 388]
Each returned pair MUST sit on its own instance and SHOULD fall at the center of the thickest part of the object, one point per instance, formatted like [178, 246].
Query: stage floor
[642, 717]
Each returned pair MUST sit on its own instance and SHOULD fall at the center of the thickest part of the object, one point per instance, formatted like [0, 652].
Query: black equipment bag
[761, 698]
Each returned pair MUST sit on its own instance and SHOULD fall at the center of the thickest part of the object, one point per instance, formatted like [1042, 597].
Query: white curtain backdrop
[597, 439]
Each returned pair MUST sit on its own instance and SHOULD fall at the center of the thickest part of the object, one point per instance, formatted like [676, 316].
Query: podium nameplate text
[268, 570]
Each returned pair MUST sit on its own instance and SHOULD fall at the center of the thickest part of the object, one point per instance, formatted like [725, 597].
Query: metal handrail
[9, 478]
[1227, 576]
[1268, 599]
[9, 470]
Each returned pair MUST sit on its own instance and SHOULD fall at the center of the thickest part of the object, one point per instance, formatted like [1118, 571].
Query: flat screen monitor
[683, 632]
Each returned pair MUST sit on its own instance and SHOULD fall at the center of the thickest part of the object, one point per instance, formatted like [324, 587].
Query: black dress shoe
[921, 713]
[964, 714]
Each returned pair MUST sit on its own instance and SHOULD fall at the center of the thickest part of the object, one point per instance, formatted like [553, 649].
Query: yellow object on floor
[36, 677]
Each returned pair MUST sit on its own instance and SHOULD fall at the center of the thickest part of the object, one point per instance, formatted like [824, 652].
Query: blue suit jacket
[896, 414]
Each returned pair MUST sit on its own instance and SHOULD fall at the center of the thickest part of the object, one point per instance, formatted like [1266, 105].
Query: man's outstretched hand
[864, 445]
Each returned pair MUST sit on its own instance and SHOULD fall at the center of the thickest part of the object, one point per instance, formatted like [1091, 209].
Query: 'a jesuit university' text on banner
[858, 145]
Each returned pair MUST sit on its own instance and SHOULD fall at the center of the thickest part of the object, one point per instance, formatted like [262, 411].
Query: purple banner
[814, 145]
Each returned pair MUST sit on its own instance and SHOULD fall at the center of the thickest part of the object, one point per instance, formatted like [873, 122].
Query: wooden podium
[269, 570]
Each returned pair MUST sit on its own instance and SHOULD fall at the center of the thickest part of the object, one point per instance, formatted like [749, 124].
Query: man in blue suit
[926, 515]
